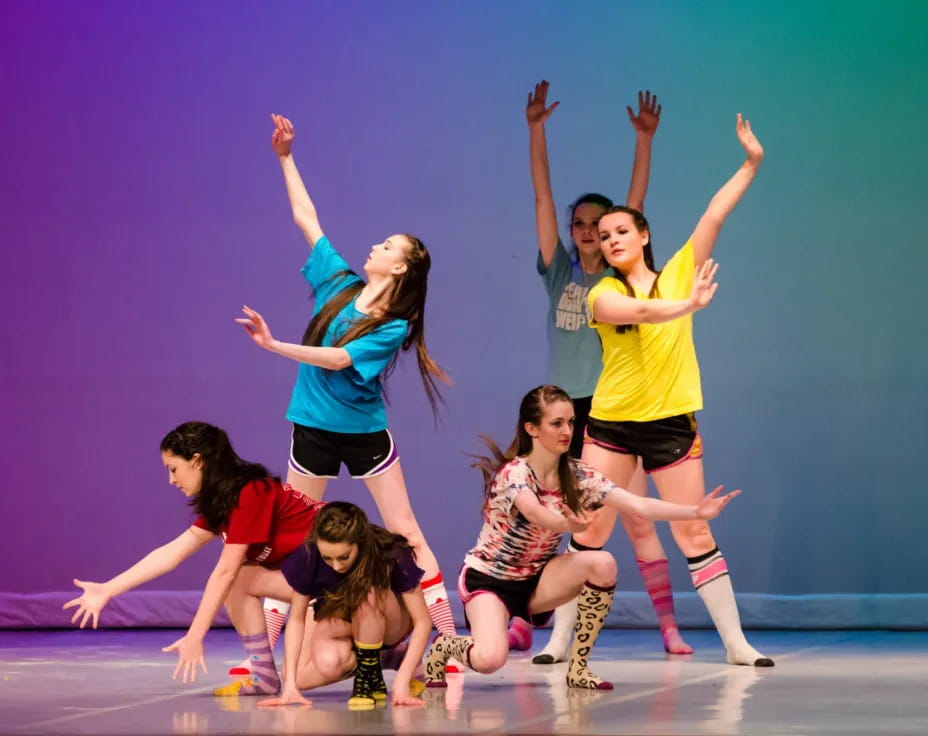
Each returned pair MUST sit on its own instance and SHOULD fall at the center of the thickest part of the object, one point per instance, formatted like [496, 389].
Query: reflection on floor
[835, 682]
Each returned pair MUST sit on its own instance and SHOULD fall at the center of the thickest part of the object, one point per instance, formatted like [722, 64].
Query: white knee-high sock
[565, 619]
[710, 577]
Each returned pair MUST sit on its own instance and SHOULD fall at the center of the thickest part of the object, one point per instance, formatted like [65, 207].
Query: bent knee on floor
[486, 662]
[333, 663]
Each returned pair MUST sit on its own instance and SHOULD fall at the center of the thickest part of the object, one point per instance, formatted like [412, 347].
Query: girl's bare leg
[684, 483]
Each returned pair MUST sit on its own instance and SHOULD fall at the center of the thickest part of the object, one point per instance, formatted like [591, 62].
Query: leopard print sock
[593, 606]
[444, 648]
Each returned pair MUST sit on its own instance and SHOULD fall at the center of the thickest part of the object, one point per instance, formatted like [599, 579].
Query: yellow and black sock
[369, 686]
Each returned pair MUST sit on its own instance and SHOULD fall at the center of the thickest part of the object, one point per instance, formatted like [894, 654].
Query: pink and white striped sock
[712, 582]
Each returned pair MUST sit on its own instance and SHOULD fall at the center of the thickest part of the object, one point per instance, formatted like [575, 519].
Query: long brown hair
[531, 410]
[224, 472]
[406, 301]
[641, 224]
[339, 521]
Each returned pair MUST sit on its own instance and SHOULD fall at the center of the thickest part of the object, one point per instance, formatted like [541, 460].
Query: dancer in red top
[260, 520]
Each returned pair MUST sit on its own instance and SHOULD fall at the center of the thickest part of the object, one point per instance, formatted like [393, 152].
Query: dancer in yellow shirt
[645, 401]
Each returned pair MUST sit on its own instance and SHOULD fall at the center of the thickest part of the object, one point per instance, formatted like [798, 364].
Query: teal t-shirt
[349, 400]
[575, 354]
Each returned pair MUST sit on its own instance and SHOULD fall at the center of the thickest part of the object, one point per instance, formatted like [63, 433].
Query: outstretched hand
[189, 655]
[256, 327]
[712, 505]
[704, 285]
[576, 523]
[649, 114]
[287, 696]
[90, 603]
[748, 140]
[535, 111]
[407, 700]
[282, 136]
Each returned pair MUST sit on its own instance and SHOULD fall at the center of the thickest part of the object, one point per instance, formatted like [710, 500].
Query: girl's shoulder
[398, 551]
[257, 494]
[684, 256]
[582, 471]
[263, 485]
[608, 283]
[515, 471]
[395, 327]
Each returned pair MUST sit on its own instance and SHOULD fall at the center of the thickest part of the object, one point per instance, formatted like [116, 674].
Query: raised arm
[720, 206]
[189, 647]
[614, 308]
[334, 359]
[657, 510]
[155, 564]
[304, 212]
[645, 124]
[536, 114]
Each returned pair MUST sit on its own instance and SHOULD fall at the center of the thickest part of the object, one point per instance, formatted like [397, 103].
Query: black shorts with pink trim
[660, 444]
[318, 453]
[514, 594]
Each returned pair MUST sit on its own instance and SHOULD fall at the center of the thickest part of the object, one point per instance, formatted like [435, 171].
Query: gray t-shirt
[575, 354]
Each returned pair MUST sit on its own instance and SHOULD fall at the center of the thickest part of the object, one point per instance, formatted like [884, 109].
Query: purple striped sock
[264, 679]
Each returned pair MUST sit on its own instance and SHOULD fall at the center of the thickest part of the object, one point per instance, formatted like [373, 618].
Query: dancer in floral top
[535, 493]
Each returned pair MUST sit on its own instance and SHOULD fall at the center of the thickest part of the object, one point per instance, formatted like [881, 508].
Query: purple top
[309, 575]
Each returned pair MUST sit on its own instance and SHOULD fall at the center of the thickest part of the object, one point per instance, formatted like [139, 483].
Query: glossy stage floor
[829, 682]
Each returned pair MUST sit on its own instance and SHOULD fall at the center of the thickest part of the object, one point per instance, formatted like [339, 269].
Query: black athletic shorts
[514, 594]
[659, 444]
[318, 453]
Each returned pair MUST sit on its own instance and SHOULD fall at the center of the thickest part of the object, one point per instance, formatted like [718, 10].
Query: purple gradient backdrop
[142, 206]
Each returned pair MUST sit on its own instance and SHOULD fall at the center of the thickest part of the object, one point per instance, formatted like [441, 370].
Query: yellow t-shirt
[651, 372]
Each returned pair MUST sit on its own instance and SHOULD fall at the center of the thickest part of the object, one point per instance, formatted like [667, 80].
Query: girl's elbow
[341, 360]
[225, 574]
[642, 314]
[304, 222]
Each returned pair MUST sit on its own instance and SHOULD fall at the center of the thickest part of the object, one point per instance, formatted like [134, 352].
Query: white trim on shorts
[391, 459]
[299, 469]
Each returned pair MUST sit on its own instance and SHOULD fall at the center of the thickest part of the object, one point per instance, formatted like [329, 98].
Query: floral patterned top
[509, 546]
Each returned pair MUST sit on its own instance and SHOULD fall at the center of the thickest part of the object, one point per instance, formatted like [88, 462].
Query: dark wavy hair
[406, 301]
[641, 224]
[339, 521]
[531, 410]
[588, 198]
[224, 472]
